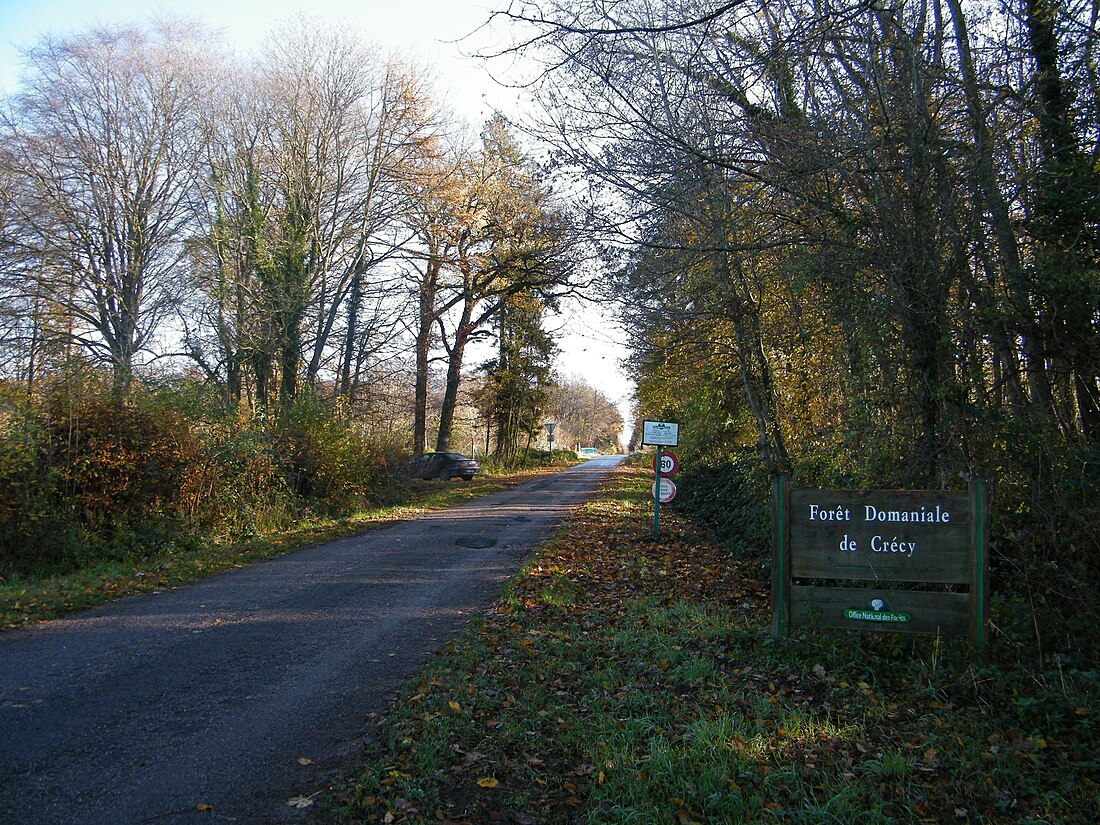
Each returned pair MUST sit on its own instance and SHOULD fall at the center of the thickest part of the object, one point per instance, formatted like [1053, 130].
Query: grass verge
[628, 679]
[24, 600]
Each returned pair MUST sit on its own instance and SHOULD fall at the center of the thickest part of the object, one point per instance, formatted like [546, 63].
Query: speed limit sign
[669, 463]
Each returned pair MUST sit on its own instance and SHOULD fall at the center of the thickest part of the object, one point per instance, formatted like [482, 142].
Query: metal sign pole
[657, 495]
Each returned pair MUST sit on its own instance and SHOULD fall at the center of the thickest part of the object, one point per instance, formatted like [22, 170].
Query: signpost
[550, 438]
[919, 537]
[661, 434]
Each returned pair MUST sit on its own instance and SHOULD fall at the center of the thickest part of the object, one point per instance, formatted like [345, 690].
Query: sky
[440, 33]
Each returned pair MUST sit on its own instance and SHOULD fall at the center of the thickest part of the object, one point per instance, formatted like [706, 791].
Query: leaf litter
[628, 677]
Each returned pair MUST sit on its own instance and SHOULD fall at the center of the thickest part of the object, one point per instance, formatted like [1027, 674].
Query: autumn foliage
[86, 476]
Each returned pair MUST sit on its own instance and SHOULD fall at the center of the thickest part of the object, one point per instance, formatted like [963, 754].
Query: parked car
[588, 452]
[445, 466]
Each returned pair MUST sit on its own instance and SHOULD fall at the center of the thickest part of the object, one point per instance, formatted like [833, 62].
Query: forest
[856, 244]
[238, 292]
[852, 243]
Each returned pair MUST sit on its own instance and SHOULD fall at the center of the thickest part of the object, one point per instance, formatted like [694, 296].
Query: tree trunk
[425, 319]
[355, 300]
[1008, 252]
[454, 378]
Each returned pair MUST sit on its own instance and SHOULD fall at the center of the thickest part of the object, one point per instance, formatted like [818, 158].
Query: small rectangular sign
[660, 433]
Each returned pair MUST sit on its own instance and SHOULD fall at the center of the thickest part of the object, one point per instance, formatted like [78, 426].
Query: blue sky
[419, 29]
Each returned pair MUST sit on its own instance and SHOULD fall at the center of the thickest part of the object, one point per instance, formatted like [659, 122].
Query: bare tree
[309, 182]
[103, 145]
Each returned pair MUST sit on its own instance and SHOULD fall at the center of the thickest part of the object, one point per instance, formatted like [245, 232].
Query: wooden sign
[826, 539]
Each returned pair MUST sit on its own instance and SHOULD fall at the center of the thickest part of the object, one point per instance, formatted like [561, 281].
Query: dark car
[445, 466]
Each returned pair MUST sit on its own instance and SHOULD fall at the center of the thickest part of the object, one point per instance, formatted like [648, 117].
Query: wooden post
[781, 561]
[979, 570]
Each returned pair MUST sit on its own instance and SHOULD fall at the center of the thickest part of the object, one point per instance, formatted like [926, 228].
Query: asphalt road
[212, 695]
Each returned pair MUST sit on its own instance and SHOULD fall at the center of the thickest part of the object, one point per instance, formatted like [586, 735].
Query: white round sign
[668, 490]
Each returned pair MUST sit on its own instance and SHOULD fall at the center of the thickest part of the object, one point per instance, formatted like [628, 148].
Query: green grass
[168, 563]
[628, 679]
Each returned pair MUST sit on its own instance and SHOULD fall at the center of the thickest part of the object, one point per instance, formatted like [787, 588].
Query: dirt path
[201, 704]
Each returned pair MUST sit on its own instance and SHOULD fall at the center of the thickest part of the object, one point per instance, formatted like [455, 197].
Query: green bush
[236, 489]
[331, 465]
[732, 497]
[35, 528]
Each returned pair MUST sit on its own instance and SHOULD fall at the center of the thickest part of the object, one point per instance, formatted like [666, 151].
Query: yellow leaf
[202, 807]
[453, 705]
[488, 782]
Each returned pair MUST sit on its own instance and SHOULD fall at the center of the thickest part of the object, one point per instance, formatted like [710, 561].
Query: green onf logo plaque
[876, 611]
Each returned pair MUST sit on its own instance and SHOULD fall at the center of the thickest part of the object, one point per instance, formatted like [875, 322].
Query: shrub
[332, 465]
[236, 489]
[732, 498]
[119, 463]
[35, 528]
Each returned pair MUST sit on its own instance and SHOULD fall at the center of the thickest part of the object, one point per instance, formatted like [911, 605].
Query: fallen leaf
[488, 782]
[300, 802]
[304, 760]
[472, 757]
[202, 807]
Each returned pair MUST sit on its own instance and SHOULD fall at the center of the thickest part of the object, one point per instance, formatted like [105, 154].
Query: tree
[818, 149]
[310, 180]
[583, 415]
[516, 393]
[514, 244]
[103, 147]
[491, 231]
